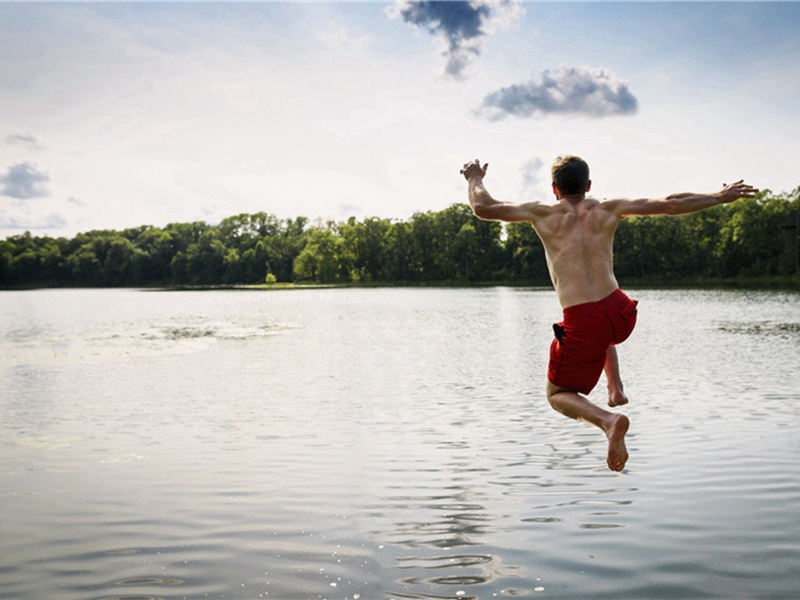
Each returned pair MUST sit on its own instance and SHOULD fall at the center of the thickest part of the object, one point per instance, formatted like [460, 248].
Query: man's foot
[616, 397]
[617, 452]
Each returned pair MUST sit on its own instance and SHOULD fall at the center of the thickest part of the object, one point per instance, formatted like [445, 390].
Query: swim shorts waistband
[613, 299]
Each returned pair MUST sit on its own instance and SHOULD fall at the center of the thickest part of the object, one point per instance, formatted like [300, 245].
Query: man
[578, 237]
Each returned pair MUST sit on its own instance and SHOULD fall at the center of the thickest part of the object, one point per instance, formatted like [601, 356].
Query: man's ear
[556, 191]
[589, 186]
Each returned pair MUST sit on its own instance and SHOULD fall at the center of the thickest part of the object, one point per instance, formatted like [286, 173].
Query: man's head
[570, 176]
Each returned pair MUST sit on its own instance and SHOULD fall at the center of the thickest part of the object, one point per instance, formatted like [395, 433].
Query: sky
[116, 115]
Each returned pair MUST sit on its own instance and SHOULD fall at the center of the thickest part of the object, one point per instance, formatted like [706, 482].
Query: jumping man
[578, 237]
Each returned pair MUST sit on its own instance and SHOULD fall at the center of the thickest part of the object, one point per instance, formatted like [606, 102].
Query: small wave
[760, 328]
[135, 581]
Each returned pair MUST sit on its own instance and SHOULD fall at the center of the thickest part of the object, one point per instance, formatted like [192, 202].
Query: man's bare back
[577, 234]
[578, 237]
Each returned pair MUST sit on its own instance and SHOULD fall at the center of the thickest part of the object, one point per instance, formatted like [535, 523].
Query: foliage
[748, 238]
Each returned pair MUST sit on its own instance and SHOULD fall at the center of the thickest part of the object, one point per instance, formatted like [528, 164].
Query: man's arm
[486, 207]
[680, 204]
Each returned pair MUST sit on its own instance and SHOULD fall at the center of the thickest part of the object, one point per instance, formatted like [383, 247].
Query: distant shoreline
[787, 282]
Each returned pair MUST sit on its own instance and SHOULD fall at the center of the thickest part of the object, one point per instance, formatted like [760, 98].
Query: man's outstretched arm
[681, 204]
[486, 207]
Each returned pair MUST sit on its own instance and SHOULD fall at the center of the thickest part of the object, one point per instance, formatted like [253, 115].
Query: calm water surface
[390, 444]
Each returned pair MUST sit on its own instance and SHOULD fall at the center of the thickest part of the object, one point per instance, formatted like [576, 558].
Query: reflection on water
[389, 444]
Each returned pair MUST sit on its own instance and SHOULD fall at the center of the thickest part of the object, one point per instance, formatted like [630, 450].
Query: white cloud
[30, 222]
[27, 140]
[532, 179]
[580, 90]
[346, 209]
[24, 180]
[337, 36]
[77, 202]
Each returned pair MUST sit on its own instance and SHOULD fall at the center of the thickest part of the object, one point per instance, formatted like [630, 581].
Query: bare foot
[617, 452]
[616, 397]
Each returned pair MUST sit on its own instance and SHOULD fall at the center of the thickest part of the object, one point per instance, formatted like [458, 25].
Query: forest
[751, 238]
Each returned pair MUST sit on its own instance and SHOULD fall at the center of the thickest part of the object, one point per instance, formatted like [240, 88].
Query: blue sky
[124, 114]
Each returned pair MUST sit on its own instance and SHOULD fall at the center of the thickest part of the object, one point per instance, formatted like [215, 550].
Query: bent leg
[614, 426]
[616, 395]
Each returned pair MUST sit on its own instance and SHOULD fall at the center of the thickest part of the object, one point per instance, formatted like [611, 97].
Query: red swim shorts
[578, 352]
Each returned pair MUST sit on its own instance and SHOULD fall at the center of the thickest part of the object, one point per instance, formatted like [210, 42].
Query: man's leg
[613, 425]
[616, 395]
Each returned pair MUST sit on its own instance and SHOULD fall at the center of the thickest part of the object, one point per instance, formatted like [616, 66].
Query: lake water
[390, 444]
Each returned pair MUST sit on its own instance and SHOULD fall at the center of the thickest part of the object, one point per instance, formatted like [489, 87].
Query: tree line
[749, 238]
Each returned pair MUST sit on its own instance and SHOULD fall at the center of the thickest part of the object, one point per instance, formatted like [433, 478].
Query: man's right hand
[734, 191]
[474, 169]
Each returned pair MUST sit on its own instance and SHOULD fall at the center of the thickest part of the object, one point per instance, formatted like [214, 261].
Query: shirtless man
[578, 238]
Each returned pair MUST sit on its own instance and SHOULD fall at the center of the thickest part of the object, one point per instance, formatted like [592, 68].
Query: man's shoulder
[538, 209]
[600, 214]
[595, 203]
[606, 205]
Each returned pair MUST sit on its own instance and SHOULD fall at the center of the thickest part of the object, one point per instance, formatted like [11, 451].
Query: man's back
[578, 237]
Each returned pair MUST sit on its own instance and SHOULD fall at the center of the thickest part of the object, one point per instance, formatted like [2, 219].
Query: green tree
[205, 260]
[84, 266]
[117, 264]
[526, 254]
[152, 263]
[320, 259]
[465, 250]
[365, 247]
[284, 247]
[399, 253]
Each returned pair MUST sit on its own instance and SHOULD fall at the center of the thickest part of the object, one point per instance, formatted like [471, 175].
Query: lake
[390, 444]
